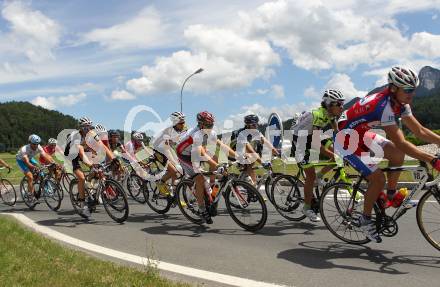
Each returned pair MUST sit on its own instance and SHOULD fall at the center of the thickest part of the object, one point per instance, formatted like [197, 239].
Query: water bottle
[383, 199]
[399, 197]
[215, 189]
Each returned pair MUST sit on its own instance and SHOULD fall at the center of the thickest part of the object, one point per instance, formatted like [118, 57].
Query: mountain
[20, 119]
[429, 82]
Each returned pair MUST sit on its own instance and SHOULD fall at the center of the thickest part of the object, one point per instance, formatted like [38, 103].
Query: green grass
[16, 175]
[29, 259]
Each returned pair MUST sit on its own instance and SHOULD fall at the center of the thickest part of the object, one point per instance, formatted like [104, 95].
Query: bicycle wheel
[340, 212]
[268, 186]
[27, 198]
[115, 201]
[7, 192]
[251, 213]
[287, 195]
[65, 181]
[74, 197]
[51, 194]
[157, 201]
[428, 217]
[134, 187]
[187, 202]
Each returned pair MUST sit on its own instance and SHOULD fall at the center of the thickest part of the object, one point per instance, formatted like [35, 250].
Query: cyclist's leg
[28, 174]
[80, 176]
[308, 185]
[251, 172]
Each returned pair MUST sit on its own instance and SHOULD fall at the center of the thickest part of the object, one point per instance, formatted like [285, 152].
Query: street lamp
[183, 85]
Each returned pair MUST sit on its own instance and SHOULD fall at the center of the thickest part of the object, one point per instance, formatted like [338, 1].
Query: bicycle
[99, 185]
[44, 185]
[8, 194]
[63, 178]
[288, 191]
[342, 219]
[240, 197]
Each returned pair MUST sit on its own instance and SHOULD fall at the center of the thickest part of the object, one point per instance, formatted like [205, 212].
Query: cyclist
[27, 163]
[84, 140]
[382, 109]
[193, 145]
[323, 119]
[253, 141]
[135, 145]
[162, 145]
[49, 149]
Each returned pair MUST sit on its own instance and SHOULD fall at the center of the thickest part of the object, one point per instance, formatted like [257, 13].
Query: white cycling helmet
[403, 78]
[100, 129]
[331, 96]
[34, 139]
[138, 136]
[177, 117]
[85, 122]
[52, 141]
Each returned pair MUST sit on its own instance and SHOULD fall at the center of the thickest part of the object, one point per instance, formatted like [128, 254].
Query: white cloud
[31, 33]
[122, 95]
[343, 83]
[312, 93]
[146, 30]
[434, 17]
[228, 59]
[277, 92]
[54, 102]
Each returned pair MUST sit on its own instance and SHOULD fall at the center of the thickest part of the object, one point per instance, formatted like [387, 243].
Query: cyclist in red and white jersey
[50, 149]
[192, 151]
[381, 110]
[135, 145]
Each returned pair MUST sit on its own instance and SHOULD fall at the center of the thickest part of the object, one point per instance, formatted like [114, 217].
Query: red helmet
[205, 118]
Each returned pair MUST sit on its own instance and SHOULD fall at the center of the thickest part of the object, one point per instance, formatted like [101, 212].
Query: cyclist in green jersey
[303, 147]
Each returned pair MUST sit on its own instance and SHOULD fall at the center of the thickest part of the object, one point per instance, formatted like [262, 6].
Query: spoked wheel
[74, 197]
[158, 202]
[7, 192]
[27, 198]
[65, 182]
[268, 186]
[288, 197]
[340, 212]
[51, 192]
[245, 205]
[134, 187]
[187, 202]
[115, 201]
[428, 217]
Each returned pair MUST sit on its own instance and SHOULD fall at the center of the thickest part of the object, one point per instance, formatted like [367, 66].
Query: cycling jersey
[251, 136]
[169, 134]
[372, 111]
[184, 148]
[376, 110]
[48, 150]
[132, 146]
[28, 151]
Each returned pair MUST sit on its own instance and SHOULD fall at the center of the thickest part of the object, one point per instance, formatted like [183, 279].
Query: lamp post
[183, 85]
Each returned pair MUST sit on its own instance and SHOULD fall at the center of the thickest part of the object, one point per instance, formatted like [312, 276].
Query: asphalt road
[283, 252]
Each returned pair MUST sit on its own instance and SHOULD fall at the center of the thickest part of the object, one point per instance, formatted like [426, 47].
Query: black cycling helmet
[251, 119]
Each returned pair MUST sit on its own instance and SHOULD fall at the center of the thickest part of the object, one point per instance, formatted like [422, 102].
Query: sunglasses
[208, 126]
[337, 104]
[409, 90]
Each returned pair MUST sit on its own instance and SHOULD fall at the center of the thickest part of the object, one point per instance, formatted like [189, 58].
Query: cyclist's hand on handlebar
[266, 165]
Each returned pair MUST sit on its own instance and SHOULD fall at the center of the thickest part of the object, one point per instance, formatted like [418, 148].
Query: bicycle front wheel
[187, 201]
[115, 201]
[51, 194]
[245, 205]
[428, 217]
[287, 195]
[158, 202]
[28, 199]
[340, 212]
[7, 192]
[134, 187]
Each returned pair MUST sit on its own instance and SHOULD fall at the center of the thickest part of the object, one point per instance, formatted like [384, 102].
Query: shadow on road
[323, 254]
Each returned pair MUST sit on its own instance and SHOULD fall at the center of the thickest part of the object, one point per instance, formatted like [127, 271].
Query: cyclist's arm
[47, 157]
[203, 152]
[397, 137]
[84, 157]
[269, 144]
[28, 163]
[3, 163]
[420, 131]
[225, 148]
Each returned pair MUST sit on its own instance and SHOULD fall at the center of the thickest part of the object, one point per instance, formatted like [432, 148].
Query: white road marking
[179, 269]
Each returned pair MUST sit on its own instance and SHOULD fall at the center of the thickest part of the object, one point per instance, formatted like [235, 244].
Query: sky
[105, 58]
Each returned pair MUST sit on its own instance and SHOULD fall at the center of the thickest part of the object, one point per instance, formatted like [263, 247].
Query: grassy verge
[28, 259]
